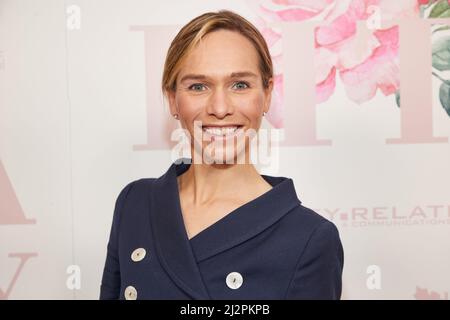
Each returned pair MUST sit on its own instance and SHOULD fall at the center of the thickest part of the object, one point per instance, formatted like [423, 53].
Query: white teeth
[220, 131]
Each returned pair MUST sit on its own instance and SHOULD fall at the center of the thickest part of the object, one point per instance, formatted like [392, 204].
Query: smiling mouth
[218, 131]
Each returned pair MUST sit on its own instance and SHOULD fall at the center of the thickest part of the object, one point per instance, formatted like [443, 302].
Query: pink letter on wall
[10, 210]
[415, 83]
[23, 259]
[299, 115]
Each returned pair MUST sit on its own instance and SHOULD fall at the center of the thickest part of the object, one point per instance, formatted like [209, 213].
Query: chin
[221, 157]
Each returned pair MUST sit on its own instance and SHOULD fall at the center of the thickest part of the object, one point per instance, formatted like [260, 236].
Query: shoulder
[322, 233]
[320, 261]
[321, 238]
[131, 194]
[135, 186]
[309, 221]
[312, 233]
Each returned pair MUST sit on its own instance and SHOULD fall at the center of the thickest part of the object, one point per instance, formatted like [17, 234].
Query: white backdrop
[81, 115]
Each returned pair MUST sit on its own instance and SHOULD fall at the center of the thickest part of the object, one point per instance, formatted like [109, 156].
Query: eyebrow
[240, 74]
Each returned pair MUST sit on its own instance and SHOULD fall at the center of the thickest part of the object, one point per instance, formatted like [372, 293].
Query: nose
[220, 104]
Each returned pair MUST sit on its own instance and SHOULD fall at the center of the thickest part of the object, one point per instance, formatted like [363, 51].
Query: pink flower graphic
[366, 59]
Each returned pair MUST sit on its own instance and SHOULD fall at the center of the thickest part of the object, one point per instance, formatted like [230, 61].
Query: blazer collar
[179, 255]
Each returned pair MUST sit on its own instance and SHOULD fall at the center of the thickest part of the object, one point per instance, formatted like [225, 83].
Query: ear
[268, 95]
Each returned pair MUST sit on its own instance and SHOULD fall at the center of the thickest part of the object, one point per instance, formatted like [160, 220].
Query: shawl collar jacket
[269, 248]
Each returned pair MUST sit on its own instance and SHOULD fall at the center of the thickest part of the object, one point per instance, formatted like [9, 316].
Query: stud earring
[264, 113]
[175, 116]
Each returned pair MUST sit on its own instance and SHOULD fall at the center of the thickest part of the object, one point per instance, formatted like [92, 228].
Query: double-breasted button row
[136, 256]
[233, 280]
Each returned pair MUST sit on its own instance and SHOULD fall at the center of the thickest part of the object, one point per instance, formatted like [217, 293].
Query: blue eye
[195, 85]
[245, 83]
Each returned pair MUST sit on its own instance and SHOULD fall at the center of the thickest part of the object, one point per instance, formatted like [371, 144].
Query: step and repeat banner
[361, 103]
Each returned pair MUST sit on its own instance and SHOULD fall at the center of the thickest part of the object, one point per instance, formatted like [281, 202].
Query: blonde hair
[191, 34]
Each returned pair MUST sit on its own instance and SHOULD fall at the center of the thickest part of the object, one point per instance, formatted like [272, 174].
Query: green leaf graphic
[441, 54]
[443, 28]
[444, 97]
[440, 10]
[397, 98]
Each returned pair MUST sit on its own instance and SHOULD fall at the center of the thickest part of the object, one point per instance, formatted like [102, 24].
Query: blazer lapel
[248, 220]
[180, 256]
[170, 236]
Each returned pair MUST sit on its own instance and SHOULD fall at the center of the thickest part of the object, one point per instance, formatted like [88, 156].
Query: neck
[209, 182]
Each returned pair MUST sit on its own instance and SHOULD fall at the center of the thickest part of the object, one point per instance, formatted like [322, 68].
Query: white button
[138, 254]
[130, 293]
[234, 280]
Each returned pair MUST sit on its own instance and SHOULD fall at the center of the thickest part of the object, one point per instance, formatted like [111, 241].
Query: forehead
[221, 53]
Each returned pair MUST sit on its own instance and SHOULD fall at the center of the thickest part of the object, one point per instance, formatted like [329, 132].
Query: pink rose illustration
[366, 59]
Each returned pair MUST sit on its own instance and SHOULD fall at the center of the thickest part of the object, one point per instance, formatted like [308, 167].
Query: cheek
[251, 108]
[188, 107]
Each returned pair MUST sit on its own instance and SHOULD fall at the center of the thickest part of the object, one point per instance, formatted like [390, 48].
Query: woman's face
[211, 93]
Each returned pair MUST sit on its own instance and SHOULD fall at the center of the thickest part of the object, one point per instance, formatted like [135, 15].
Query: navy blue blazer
[269, 248]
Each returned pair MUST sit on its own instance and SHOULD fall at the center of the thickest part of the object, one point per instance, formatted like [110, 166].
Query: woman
[215, 228]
